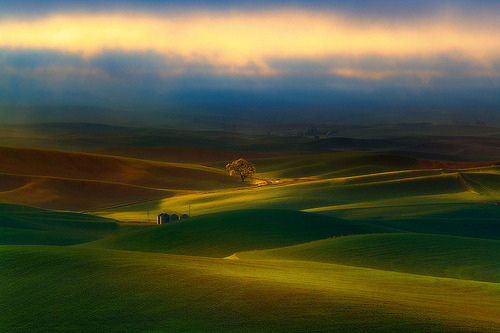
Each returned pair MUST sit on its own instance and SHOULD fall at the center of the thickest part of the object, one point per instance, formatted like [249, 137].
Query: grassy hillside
[483, 190]
[73, 194]
[78, 181]
[81, 166]
[222, 234]
[319, 182]
[27, 225]
[330, 241]
[435, 255]
[385, 195]
[328, 165]
[466, 220]
[75, 289]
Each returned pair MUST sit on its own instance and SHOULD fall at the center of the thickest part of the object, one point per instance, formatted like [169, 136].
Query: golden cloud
[233, 40]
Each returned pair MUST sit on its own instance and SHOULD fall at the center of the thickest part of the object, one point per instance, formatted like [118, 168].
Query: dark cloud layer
[138, 81]
[387, 8]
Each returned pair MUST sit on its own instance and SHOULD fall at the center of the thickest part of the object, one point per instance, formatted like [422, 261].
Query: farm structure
[164, 218]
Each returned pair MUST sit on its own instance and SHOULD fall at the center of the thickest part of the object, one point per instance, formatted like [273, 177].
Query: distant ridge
[181, 154]
[430, 164]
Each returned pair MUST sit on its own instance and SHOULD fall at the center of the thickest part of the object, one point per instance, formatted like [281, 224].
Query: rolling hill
[73, 194]
[181, 154]
[381, 195]
[424, 254]
[79, 181]
[32, 226]
[329, 165]
[81, 289]
[222, 234]
[465, 220]
[418, 253]
[82, 166]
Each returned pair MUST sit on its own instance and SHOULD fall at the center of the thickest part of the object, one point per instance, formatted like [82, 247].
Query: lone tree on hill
[241, 167]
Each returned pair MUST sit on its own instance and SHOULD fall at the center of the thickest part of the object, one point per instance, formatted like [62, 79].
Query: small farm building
[163, 218]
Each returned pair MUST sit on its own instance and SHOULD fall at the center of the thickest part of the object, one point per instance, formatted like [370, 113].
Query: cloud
[377, 68]
[279, 59]
[367, 8]
[240, 42]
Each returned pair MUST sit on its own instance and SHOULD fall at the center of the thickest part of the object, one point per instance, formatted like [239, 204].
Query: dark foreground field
[73, 289]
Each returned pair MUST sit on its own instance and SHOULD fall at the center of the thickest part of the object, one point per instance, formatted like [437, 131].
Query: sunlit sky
[435, 56]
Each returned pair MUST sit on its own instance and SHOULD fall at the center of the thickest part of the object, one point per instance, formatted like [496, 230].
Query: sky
[251, 57]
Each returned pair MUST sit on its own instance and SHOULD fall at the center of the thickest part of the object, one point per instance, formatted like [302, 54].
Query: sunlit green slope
[47, 289]
[435, 255]
[386, 195]
[329, 165]
[222, 234]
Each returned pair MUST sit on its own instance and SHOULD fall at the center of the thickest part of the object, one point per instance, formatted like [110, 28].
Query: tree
[241, 167]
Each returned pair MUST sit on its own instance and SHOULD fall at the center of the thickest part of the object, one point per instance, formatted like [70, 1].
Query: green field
[423, 254]
[33, 226]
[222, 234]
[385, 194]
[75, 289]
[330, 242]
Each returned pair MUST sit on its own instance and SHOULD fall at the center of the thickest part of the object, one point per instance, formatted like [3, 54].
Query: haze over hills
[439, 141]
